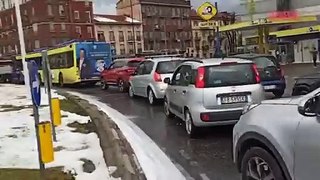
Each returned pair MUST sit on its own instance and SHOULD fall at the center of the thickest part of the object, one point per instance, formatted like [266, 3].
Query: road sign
[207, 11]
[34, 83]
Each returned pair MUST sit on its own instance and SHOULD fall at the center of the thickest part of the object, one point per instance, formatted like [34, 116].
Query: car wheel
[131, 93]
[191, 129]
[258, 163]
[278, 94]
[121, 85]
[167, 111]
[103, 84]
[151, 97]
[61, 82]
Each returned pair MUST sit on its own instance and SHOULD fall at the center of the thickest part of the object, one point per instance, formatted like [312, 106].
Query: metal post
[22, 45]
[133, 29]
[36, 118]
[165, 36]
[47, 82]
[218, 46]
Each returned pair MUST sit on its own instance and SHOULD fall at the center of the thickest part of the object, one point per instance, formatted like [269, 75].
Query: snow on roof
[103, 19]
[115, 19]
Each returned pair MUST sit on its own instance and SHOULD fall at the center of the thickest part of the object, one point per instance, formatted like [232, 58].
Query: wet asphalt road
[208, 157]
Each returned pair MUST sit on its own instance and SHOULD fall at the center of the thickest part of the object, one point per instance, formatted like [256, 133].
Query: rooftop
[114, 19]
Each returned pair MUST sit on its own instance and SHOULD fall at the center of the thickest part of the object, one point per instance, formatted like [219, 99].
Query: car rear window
[167, 67]
[133, 63]
[229, 75]
[264, 62]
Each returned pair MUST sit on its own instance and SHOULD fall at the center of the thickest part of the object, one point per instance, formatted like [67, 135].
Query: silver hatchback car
[279, 139]
[212, 92]
[147, 81]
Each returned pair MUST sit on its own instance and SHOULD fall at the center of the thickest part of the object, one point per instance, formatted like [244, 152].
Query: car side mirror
[310, 108]
[167, 80]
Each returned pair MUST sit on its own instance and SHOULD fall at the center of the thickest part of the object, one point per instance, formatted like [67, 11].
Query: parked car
[306, 84]
[272, 76]
[212, 92]
[147, 81]
[118, 73]
[279, 139]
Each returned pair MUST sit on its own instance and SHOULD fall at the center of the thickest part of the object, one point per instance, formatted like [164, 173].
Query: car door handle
[174, 90]
[184, 91]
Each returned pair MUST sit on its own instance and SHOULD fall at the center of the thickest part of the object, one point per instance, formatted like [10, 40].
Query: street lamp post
[22, 45]
[133, 30]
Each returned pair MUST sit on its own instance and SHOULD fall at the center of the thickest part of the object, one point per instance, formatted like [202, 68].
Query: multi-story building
[124, 33]
[166, 23]
[45, 23]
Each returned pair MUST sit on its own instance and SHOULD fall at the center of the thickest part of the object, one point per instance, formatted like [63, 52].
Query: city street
[208, 157]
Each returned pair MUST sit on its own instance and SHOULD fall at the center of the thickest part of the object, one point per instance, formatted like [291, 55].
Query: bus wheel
[61, 84]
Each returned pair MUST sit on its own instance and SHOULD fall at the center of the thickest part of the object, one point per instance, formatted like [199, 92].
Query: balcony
[130, 38]
[197, 38]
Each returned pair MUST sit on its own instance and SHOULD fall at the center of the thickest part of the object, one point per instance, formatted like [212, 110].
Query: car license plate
[269, 87]
[233, 99]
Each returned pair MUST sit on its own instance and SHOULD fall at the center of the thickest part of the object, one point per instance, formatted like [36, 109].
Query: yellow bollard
[56, 112]
[46, 143]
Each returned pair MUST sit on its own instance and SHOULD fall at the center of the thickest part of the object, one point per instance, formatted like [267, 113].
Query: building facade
[166, 23]
[124, 33]
[45, 23]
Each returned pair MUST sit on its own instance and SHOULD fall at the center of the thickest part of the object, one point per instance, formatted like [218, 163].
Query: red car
[118, 73]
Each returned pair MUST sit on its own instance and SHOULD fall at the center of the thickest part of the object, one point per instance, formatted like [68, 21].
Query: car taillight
[157, 77]
[256, 73]
[200, 78]
[205, 117]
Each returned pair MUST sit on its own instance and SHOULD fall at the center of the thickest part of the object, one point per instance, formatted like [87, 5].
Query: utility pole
[165, 36]
[22, 45]
[218, 52]
[133, 29]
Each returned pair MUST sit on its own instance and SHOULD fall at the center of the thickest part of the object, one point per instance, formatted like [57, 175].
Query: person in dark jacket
[84, 65]
[314, 54]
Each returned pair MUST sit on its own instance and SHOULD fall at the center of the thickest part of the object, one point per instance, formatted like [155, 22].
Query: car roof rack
[163, 56]
[193, 60]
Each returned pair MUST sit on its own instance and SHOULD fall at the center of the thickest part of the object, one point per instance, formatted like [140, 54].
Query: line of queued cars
[272, 140]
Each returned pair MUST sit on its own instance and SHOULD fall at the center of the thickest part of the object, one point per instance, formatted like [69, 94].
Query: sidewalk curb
[117, 151]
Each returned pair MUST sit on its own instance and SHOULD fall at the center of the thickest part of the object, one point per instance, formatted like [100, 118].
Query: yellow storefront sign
[207, 11]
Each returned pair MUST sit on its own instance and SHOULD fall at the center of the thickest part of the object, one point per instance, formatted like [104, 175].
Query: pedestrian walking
[314, 54]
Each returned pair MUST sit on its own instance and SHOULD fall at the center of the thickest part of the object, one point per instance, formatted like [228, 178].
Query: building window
[89, 16]
[50, 10]
[52, 27]
[130, 36]
[61, 10]
[33, 11]
[138, 33]
[89, 31]
[35, 28]
[139, 48]
[131, 51]
[76, 15]
[12, 19]
[53, 42]
[78, 29]
[63, 27]
[111, 36]
[122, 49]
[87, 3]
[121, 36]
[36, 44]
[101, 36]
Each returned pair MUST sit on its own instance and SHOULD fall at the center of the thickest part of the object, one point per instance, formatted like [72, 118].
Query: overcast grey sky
[109, 6]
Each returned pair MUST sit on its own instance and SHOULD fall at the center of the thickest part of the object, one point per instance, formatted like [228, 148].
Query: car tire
[103, 84]
[151, 97]
[278, 94]
[121, 86]
[131, 92]
[191, 129]
[260, 163]
[166, 108]
[61, 82]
